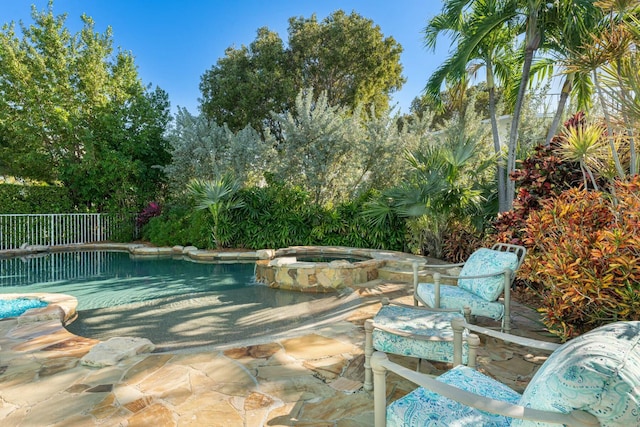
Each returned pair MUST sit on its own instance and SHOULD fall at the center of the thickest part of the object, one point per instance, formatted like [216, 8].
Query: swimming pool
[176, 303]
[102, 279]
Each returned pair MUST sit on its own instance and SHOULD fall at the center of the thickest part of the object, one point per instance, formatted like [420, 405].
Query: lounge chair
[484, 277]
[592, 380]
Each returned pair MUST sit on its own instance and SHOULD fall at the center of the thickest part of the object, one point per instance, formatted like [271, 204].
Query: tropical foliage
[584, 258]
[448, 181]
[275, 216]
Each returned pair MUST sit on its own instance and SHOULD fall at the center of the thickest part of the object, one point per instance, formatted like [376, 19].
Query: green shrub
[584, 249]
[25, 199]
[276, 216]
[179, 225]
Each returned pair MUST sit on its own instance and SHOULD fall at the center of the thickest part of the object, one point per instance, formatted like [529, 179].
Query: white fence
[64, 229]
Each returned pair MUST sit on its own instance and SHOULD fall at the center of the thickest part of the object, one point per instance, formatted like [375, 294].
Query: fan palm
[445, 183]
[218, 196]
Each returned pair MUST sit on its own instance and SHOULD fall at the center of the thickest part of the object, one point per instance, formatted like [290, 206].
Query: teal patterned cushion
[422, 407]
[456, 298]
[487, 261]
[433, 325]
[598, 372]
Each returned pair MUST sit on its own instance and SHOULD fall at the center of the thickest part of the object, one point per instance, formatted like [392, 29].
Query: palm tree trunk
[633, 165]
[500, 171]
[562, 102]
[607, 120]
[532, 42]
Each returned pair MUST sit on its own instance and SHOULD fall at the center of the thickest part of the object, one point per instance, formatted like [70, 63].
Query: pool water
[15, 307]
[176, 303]
[100, 279]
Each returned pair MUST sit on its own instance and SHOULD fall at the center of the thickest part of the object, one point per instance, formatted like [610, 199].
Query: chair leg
[457, 325]
[506, 320]
[415, 283]
[474, 342]
[368, 351]
[380, 391]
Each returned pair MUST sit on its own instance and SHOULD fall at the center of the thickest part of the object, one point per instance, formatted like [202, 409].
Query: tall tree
[248, 83]
[494, 53]
[534, 18]
[205, 151]
[344, 56]
[348, 58]
[66, 100]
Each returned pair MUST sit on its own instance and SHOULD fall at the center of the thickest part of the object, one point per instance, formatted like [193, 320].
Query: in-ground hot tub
[318, 268]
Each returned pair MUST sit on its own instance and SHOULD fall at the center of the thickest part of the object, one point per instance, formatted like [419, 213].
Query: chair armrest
[526, 342]
[479, 276]
[460, 264]
[380, 364]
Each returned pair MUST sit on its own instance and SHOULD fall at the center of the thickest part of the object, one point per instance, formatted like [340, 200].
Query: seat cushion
[433, 327]
[487, 261]
[598, 372]
[456, 298]
[422, 407]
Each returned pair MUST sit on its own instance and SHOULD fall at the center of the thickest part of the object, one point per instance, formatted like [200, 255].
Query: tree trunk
[533, 40]
[607, 120]
[562, 102]
[500, 171]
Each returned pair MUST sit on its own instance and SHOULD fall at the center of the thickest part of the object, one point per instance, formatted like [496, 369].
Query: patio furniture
[592, 380]
[484, 277]
[418, 332]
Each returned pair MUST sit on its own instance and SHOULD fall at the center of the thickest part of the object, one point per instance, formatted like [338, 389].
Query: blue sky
[175, 41]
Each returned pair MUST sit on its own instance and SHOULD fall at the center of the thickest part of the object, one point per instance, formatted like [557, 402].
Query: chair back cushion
[487, 261]
[598, 372]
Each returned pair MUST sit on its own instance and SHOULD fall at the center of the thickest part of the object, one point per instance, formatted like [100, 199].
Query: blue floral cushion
[598, 372]
[456, 298]
[422, 407]
[434, 326]
[487, 261]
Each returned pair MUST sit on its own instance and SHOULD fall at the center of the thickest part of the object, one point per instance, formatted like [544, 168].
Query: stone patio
[313, 378]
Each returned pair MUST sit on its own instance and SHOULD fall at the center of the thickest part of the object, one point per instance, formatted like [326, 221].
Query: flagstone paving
[312, 379]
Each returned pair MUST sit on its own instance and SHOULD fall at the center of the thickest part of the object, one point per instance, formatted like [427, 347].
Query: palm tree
[561, 44]
[494, 53]
[533, 19]
[218, 196]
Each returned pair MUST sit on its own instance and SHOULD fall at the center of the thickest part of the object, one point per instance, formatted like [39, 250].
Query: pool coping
[194, 253]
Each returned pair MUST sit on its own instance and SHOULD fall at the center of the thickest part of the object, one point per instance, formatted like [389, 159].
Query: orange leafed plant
[585, 257]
